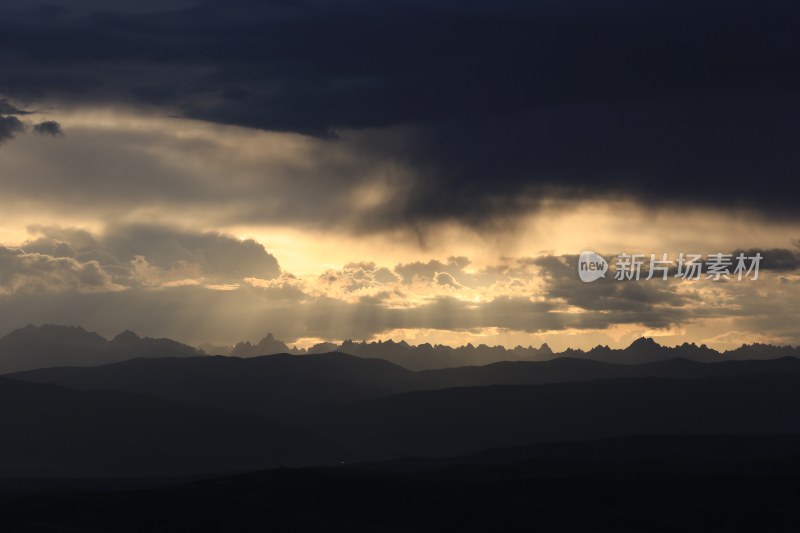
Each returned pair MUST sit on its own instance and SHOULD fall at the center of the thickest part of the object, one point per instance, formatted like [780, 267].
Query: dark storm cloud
[654, 303]
[775, 259]
[6, 108]
[9, 127]
[505, 103]
[49, 127]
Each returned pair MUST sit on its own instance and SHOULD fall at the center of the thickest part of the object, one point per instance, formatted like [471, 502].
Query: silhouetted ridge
[468, 419]
[282, 385]
[52, 430]
[275, 385]
[47, 346]
[428, 356]
[126, 338]
[50, 334]
[644, 343]
[267, 346]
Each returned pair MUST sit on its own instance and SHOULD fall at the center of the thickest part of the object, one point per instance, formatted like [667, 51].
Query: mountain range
[428, 356]
[47, 346]
[50, 345]
[375, 409]
[282, 385]
[165, 408]
[464, 420]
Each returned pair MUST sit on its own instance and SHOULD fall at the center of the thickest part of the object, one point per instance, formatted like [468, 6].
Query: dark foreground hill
[469, 495]
[50, 430]
[281, 385]
[566, 369]
[354, 402]
[636, 456]
[274, 385]
[47, 346]
[463, 420]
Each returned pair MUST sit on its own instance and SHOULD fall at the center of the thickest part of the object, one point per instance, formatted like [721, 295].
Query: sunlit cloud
[305, 237]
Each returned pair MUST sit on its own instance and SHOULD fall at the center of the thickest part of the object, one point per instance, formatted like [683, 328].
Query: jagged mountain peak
[644, 342]
[127, 337]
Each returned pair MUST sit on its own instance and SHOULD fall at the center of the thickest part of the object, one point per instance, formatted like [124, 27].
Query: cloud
[286, 288]
[443, 278]
[218, 255]
[119, 165]
[179, 273]
[7, 108]
[22, 272]
[394, 118]
[655, 303]
[358, 281]
[328, 82]
[490, 107]
[775, 259]
[661, 304]
[9, 127]
[156, 255]
[605, 294]
[432, 270]
[49, 127]
[69, 275]
[50, 237]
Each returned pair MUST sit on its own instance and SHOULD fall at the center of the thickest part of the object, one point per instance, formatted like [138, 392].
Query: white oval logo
[591, 266]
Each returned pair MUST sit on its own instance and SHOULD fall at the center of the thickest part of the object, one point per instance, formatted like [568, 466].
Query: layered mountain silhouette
[282, 385]
[46, 346]
[193, 413]
[469, 419]
[273, 385]
[268, 345]
[597, 494]
[566, 369]
[663, 456]
[360, 404]
[428, 356]
[423, 356]
[49, 345]
[363, 444]
[52, 430]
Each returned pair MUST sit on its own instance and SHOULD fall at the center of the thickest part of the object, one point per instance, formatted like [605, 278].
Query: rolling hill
[56, 431]
[283, 385]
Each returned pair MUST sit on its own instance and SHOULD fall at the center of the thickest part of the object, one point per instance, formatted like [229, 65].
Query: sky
[425, 171]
